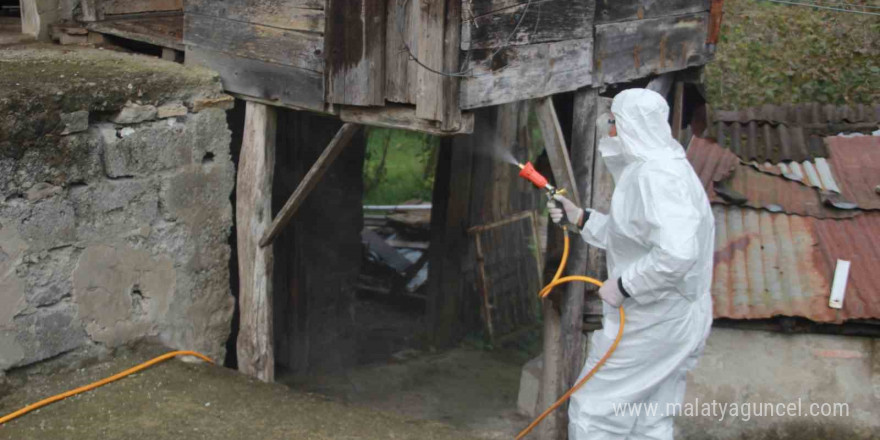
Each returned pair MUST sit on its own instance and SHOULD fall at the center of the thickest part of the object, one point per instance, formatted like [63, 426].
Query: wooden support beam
[678, 110]
[310, 181]
[556, 332]
[557, 152]
[603, 188]
[255, 263]
[89, 10]
[662, 84]
[583, 141]
[449, 240]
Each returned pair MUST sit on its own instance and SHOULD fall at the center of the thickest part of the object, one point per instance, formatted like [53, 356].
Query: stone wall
[115, 178]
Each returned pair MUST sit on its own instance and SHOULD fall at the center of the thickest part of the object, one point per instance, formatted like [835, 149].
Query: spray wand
[528, 172]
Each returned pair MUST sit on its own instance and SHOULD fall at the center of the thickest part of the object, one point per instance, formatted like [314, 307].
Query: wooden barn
[309, 73]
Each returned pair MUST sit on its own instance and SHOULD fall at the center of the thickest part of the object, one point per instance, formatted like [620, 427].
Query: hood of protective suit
[641, 117]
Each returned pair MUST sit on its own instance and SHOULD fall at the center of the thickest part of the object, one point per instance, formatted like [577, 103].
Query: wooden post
[557, 332]
[449, 241]
[603, 188]
[662, 84]
[253, 214]
[89, 10]
[339, 142]
[583, 141]
[678, 110]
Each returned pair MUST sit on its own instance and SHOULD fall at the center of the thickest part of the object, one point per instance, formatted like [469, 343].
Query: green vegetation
[399, 166]
[773, 53]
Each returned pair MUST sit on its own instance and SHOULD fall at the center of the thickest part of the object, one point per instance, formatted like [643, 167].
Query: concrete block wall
[743, 373]
[115, 212]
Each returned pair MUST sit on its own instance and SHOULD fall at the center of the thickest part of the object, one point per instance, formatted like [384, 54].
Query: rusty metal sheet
[747, 186]
[855, 162]
[770, 265]
[712, 164]
[816, 173]
[788, 133]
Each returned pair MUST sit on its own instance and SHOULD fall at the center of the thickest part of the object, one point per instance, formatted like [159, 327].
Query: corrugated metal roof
[817, 173]
[788, 133]
[712, 164]
[802, 114]
[855, 162]
[769, 264]
[729, 181]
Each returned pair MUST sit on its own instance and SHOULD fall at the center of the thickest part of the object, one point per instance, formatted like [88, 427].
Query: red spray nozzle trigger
[529, 173]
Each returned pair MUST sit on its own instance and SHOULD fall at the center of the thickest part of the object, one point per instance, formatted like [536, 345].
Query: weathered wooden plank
[280, 14]
[403, 117]
[544, 21]
[429, 99]
[613, 11]
[253, 213]
[272, 83]
[264, 43]
[527, 72]
[401, 72]
[355, 44]
[310, 181]
[583, 142]
[165, 30]
[451, 117]
[118, 7]
[635, 49]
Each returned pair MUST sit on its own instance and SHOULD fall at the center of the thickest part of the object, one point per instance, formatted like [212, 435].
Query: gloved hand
[610, 293]
[572, 211]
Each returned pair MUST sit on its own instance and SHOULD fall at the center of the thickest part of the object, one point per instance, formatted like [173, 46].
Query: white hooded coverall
[659, 238]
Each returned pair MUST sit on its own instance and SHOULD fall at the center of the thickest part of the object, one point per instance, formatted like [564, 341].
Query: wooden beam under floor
[255, 263]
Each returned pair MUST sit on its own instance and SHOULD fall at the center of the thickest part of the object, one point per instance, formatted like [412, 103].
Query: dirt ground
[399, 391]
[470, 387]
[179, 400]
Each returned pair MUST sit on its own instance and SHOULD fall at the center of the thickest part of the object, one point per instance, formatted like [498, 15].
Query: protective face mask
[611, 150]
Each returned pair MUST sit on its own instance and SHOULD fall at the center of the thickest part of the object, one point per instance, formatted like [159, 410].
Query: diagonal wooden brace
[339, 142]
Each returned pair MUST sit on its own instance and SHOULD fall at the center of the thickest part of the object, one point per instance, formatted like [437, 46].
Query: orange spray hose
[89, 387]
[546, 291]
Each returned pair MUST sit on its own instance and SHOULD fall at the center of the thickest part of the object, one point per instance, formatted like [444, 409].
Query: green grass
[779, 54]
[399, 166]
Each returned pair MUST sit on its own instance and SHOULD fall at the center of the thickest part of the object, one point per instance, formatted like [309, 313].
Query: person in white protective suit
[658, 237]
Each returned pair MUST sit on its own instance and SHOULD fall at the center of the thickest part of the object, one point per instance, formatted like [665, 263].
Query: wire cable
[829, 8]
[467, 73]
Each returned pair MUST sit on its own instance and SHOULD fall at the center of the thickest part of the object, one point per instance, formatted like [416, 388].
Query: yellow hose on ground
[101, 382]
[543, 293]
